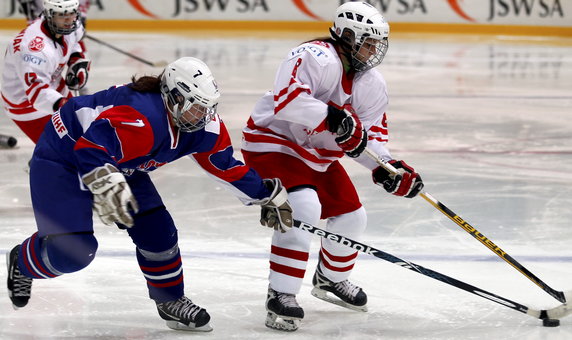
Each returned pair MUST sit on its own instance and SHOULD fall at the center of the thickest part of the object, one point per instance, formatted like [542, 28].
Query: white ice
[487, 122]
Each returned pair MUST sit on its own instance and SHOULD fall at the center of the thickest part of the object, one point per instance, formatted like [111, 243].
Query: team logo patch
[37, 44]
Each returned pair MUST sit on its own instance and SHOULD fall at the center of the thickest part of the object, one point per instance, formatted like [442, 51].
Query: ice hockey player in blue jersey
[97, 152]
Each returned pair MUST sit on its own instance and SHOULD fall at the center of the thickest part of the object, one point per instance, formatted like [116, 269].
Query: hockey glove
[352, 137]
[78, 71]
[406, 183]
[112, 197]
[276, 210]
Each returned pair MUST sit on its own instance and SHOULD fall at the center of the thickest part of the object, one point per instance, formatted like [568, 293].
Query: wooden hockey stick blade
[99, 41]
[558, 295]
[554, 313]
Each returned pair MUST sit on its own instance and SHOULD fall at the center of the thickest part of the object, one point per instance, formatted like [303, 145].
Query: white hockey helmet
[357, 23]
[190, 93]
[61, 7]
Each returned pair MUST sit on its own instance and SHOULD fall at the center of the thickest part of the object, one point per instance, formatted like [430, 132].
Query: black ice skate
[184, 315]
[19, 286]
[348, 295]
[284, 313]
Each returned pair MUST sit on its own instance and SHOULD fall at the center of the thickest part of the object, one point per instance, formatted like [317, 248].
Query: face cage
[187, 121]
[374, 60]
[58, 30]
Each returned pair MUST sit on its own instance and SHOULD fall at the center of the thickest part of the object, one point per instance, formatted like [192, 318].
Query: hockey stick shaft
[558, 295]
[554, 313]
[99, 41]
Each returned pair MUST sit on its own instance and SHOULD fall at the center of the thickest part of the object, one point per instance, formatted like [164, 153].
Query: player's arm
[33, 70]
[243, 181]
[117, 135]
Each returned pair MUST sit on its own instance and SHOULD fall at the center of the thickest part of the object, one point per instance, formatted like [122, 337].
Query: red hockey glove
[406, 183]
[352, 137]
[78, 71]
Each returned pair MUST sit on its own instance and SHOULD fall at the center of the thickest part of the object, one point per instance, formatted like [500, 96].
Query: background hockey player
[328, 100]
[33, 8]
[111, 140]
[34, 84]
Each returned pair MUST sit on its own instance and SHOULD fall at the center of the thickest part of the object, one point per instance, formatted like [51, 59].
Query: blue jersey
[134, 132]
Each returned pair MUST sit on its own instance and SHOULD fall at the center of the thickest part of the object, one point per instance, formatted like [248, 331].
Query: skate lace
[347, 288]
[22, 285]
[183, 308]
[288, 300]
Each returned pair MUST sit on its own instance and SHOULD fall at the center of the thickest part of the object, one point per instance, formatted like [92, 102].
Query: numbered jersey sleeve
[219, 163]
[116, 135]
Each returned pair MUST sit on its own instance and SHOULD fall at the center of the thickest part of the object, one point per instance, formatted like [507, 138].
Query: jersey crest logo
[37, 44]
[137, 123]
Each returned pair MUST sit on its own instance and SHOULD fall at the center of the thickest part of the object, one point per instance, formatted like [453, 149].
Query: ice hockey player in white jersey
[328, 101]
[33, 8]
[34, 84]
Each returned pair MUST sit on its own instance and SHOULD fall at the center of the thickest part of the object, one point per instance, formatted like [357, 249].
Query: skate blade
[277, 322]
[172, 324]
[323, 295]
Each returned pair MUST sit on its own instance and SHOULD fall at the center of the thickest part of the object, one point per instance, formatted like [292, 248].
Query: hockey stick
[157, 64]
[8, 141]
[558, 295]
[550, 314]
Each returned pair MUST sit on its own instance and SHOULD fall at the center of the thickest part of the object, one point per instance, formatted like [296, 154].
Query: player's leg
[345, 216]
[290, 251]
[288, 260]
[155, 236]
[64, 242]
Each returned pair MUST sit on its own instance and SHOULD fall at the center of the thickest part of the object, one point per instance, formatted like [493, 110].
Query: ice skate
[184, 315]
[19, 286]
[284, 313]
[346, 293]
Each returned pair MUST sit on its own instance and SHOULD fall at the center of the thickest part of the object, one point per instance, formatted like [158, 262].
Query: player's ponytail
[146, 83]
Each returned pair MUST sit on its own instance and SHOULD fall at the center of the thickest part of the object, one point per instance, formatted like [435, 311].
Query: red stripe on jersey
[61, 85]
[32, 87]
[25, 103]
[162, 268]
[82, 142]
[339, 258]
[297, 148]
[223, 142]
[291, 96]
[36, 93]
[289, 253]
[133, 131]
[286, 270]
[25, 110]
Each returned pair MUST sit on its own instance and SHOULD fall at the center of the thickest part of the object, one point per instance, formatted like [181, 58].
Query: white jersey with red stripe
[33, 73]
[291, 118]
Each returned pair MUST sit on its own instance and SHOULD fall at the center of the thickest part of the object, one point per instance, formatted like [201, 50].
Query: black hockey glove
[352, 137]
[406, 183]
[78, 71]
[276, 210]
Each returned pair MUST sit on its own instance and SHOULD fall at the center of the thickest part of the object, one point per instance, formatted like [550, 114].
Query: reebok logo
[137, 123]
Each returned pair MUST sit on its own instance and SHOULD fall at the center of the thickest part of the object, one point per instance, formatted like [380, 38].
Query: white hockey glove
[112, 197]
[78, 71]
[276, 210]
